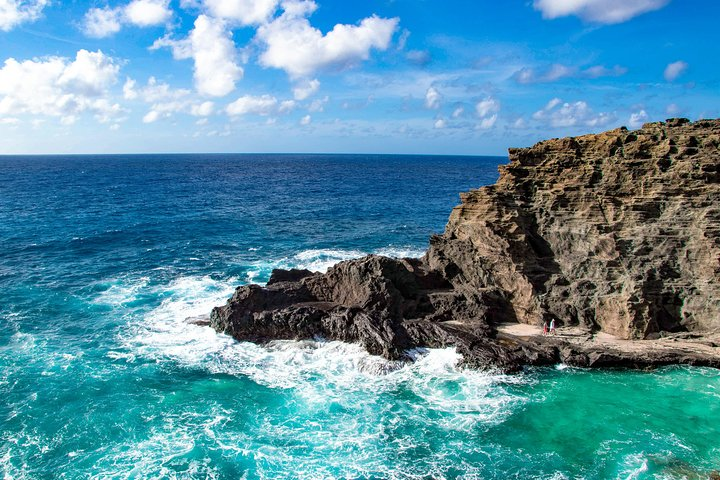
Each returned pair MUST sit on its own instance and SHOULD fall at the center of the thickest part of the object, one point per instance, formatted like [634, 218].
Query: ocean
[104, 258]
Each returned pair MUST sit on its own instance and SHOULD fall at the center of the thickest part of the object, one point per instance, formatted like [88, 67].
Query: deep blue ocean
[104, 258]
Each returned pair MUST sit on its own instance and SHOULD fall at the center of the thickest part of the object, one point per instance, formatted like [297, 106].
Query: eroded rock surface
[617, 232]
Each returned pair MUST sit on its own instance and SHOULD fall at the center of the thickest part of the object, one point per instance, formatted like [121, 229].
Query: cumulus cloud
[487, 110]
[440, 123]
[16, 12]
[151, 116]
[598, 11]
[306, 120]
[560, 114]
[432, 98]
[203, 110]
[487, 106]
[245, 12]
[637, 119]
[102, 22]
[164, 100]
[559, 71]
[487, 122]
[247, 104]
[674, 70]
[60, 87]
[305, 89]
[292, 44]
[318, 105]
[153, 92]
[145, 13]
[107, 21]
[211, 47]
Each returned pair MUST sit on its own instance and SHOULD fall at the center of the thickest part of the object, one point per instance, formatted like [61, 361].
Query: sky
[462, 77]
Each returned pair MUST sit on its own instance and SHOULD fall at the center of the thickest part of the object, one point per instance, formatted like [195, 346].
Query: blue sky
[393, 76]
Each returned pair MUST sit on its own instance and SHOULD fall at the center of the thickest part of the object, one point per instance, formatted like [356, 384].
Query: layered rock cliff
[617, 232]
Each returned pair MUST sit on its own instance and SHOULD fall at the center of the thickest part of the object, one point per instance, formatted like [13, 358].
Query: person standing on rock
[552, 327]
[545, 328]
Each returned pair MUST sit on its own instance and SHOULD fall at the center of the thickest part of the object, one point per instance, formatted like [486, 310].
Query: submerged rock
[616, 233]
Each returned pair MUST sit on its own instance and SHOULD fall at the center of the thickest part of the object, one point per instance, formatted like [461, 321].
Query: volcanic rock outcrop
[617, 233]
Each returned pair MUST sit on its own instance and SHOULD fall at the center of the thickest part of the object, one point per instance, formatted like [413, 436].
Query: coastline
[565, 234]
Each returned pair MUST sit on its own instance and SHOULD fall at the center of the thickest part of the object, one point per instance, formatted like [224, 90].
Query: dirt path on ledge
[582, 340]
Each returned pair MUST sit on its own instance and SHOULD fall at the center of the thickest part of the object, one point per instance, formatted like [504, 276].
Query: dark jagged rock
[617, 233]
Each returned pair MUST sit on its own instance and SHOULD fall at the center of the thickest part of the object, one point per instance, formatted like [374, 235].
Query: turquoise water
[104, 258]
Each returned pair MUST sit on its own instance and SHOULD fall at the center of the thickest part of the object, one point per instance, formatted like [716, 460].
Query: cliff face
[618, 231]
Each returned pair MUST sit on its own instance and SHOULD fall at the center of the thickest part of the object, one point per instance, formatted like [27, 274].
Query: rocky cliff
[617, 233]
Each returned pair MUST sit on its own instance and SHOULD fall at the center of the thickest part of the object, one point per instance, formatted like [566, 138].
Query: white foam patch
[322, 260]
[121, 292]
[155, 456]
[633, 467]
[166, 332]
[316, 371]
[400, 252]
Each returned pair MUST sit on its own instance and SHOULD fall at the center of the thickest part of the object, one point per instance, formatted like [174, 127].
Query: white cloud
[246, 12]
[153, 92]
[519, 123]
[102, 22]
[15, 12]
[487, 109]
[440, 123]
[552, 104]
[306, 120]
[598, 11]
[487, 106]
[165, 101]
[674, 70]
[151, 116]
[558, 71]
[318, 105]
[559, 114]
[637, 119]
[602, 71]
[105, 22]
[458, 112]
[292, 44]
[287, 106]
[432, 98]
[60, 87]
[487, 122]
[305, 89]
[90, 74]
[210, 45]
[262, 105]
[203, 110]
[145, 13]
